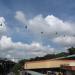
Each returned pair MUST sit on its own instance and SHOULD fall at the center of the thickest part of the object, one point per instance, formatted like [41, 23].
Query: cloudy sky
[30, 28]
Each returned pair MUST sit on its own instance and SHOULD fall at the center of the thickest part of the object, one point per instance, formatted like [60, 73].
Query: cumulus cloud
[11, 58]
[23, 50]
[2, 25]
[53, 28]
[67, 41]
[21, 17]
[49, 25]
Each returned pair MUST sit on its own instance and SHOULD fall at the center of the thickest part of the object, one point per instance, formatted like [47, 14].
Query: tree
[71, 50]
[16, 68]
[62, 54]
[22, 62]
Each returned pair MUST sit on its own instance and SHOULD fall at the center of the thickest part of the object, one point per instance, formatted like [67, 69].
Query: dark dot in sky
[1, 24]
[26, 27]
[41, 32]
[56, 33]
[64, 35]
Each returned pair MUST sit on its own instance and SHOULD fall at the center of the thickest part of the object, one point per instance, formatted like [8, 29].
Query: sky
[31, 28]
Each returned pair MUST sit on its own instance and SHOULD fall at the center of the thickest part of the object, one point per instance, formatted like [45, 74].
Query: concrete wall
[46, 64]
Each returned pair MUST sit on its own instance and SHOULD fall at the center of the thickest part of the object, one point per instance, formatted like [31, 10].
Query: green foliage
[62, 54]
[71, 50]
[16, 69]
[21, 62]
[5, 66]
[48, 56]
[1, 69]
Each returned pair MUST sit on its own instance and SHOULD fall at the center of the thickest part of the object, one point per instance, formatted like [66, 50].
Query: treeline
[70, 51]
[49, 56]
[20, 64]
[5, 66]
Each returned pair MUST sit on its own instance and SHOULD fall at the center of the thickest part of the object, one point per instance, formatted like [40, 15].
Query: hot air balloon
[1, 24]
[26, 27]
[41, 32]
[56, 33]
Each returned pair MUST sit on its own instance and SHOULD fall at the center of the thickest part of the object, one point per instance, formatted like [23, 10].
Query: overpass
[58, 64]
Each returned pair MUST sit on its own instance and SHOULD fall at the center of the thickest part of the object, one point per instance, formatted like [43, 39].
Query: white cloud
[21, 17]
[8, 56]
[53, 28]
[57, 24]
[67, 41]
[21, 50]
[11, 58]
[2, 25]
[49, 25]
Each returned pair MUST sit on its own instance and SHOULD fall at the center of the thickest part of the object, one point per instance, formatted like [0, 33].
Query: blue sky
[32, 8]
[55, 18]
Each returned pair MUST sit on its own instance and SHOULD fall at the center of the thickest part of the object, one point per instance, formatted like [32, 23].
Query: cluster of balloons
[26, 27]
[56, 33]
